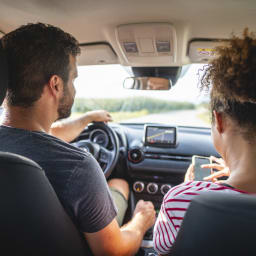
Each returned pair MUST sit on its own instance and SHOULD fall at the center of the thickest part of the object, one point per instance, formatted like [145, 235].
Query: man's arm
[126, 240]
[69, 129]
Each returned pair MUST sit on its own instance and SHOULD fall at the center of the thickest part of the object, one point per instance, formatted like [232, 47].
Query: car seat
[218, 224]
[32, 220]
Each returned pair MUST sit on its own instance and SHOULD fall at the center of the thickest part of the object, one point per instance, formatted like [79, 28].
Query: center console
[153, 191]
[154, 169]
[150, 191]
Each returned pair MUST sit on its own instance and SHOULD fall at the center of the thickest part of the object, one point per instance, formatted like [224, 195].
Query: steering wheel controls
[152, 188]
[138, 186]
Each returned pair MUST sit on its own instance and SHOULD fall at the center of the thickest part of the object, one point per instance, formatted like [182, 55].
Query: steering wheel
[106, 156]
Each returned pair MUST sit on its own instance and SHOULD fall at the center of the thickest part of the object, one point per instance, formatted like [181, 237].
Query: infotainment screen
[159, 136]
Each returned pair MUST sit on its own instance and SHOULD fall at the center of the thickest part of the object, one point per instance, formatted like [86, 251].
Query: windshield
[101, 87]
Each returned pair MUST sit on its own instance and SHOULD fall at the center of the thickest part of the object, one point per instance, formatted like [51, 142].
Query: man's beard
[65, 105]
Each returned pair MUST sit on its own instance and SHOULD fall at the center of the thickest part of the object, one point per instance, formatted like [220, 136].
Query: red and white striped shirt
[173, 209]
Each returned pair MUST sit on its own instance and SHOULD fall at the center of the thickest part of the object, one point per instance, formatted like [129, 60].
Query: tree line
[152, 105]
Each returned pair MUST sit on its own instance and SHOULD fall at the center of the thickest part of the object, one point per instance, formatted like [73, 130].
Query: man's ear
[55, 86]
[218, 121]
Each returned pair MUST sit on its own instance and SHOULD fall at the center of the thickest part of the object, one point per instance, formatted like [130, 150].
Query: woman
[232, 77]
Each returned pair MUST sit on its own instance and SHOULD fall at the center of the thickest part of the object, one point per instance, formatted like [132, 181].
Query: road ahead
[182, 117]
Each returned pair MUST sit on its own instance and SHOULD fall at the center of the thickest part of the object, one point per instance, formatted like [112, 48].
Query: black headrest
[3, 73]
[218, 224]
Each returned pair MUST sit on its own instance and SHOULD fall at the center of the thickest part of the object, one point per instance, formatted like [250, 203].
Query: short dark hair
[36, 52]
[232, 78]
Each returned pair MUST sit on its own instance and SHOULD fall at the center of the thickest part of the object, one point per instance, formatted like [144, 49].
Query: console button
[152, 188]
[138, 186]
[165, 188]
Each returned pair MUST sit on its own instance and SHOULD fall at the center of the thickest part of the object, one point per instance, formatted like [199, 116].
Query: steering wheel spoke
[105, 155]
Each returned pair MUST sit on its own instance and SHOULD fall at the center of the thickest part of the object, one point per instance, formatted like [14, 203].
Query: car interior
[145, 39]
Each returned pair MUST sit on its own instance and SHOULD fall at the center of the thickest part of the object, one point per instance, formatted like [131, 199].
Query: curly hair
[35, 52]
[232, 79]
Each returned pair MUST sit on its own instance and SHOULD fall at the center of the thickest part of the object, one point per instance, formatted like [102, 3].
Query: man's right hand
[126, 240]
[145, 211]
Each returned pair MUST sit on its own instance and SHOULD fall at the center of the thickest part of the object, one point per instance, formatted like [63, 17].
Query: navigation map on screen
[160, 135]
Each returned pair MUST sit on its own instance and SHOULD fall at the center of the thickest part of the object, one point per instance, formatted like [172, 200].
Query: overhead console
[143, 43]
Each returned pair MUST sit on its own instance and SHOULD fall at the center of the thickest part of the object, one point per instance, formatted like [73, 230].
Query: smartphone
[200, 173]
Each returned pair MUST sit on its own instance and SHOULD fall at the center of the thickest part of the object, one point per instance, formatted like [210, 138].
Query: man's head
[232, 78]
[36, 53]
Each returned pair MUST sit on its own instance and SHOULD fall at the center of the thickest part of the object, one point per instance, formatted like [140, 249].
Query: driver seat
[32, 220]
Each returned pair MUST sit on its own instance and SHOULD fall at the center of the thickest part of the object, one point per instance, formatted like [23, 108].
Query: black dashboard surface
[190, 141]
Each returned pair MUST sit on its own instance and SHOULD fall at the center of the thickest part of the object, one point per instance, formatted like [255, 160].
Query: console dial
[165, 188]
[152, 188]
[138, 186]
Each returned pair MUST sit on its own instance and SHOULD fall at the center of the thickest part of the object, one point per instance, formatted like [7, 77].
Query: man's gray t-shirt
[74, 174]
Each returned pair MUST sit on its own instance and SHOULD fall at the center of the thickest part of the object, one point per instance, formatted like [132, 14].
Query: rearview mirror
[147, 83]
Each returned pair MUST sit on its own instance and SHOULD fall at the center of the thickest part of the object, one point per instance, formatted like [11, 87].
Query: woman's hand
[219, 165]
[190, 174]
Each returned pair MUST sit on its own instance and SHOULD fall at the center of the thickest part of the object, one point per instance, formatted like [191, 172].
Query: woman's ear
[218, 121]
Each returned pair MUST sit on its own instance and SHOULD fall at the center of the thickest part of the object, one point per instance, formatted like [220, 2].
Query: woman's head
[232, 78]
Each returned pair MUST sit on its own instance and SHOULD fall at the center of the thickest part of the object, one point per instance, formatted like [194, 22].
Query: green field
[119, 116]
[128, 108]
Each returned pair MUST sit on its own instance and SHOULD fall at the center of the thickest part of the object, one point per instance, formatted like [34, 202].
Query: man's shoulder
[39, 146]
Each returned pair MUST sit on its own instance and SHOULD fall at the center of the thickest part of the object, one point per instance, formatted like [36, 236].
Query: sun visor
[147, 44]
[202, 51]
[97, 54]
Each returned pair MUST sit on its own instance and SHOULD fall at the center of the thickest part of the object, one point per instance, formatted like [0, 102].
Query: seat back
[32, 220]
[218, 224]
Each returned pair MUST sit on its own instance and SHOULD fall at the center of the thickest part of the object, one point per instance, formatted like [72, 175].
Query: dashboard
[154, 167]
[153, 157]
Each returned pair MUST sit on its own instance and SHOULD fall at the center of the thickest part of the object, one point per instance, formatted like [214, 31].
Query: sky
[106, 81]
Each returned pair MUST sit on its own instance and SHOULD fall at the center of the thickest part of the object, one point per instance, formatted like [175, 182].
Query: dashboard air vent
[135, 155]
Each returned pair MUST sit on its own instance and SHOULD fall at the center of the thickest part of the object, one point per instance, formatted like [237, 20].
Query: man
[42, 65]
[68, 129]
